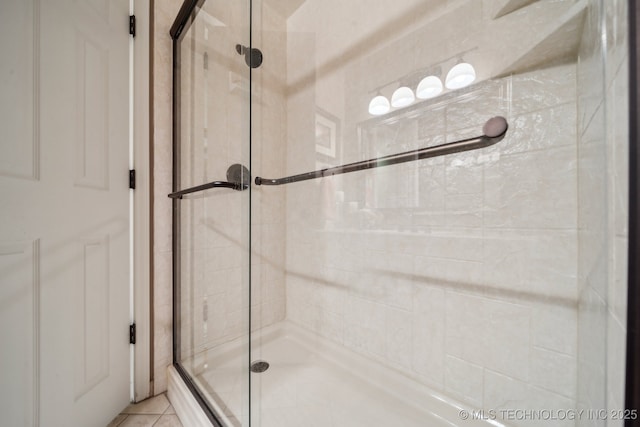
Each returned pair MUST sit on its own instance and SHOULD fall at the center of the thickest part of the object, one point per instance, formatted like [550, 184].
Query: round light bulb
[402, 97]
[429, 87]
[460, 76]
[379, 106]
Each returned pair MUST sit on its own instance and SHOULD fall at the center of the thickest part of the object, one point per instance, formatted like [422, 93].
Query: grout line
[156, 421]
[122, 421]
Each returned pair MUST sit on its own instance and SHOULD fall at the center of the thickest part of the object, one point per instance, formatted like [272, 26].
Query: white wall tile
[538, 264]
[554, 327]
[464, 380]
[464, 210]
[616, 361]
[428, 346]
[533, 190]
[399, 337]
[553, 371]
[465, 323]
[507, 324]
[504, 393]
[619, 287]
[544, 88]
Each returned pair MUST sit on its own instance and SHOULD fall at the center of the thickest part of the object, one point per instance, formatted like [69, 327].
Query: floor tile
[170, 410]
[168, 421]
[140, 421]
[155, 405]
[117, 420]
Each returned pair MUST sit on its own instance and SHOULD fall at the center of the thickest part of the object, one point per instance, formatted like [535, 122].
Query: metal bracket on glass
[252, 56]
[238, 178]
[493, 130]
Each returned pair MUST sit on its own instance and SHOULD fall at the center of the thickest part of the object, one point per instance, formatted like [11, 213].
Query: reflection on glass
[402, 97]
[429, 87]
[460, 75]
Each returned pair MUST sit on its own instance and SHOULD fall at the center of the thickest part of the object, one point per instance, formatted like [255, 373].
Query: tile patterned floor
[154, 412]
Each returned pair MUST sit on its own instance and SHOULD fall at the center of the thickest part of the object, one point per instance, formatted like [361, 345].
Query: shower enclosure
[405, 213]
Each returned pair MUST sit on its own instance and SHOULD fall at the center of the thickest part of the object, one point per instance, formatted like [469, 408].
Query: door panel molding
[92, 316]
[20, 327]
[21, 116]
[92, 92]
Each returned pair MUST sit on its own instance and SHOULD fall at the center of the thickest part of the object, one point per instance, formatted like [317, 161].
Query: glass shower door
[477, 287]
[211, 205]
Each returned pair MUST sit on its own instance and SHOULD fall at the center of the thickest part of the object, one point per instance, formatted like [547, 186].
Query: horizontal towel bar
[494, 131]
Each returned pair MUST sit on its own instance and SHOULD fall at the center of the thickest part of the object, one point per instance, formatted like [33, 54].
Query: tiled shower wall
[479, 300]
[458, 271]
[164, 12]
[603, 209]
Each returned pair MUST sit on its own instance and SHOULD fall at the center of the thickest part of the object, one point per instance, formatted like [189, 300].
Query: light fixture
[402, 97]
[379, 106]
[429, 87]
[460, 75]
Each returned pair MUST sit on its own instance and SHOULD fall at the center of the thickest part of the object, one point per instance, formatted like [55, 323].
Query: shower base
[312, 381]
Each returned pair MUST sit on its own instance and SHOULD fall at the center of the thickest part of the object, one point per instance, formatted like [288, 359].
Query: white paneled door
[64, 213]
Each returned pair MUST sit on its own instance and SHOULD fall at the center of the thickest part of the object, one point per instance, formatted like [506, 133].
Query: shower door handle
[214, 184]
[238, 179]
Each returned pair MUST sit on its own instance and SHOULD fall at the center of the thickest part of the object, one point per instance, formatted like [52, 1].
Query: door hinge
[132, 333]
[132, 179]
[132, 25]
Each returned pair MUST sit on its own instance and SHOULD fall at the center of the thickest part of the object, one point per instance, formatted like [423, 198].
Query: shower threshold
[313, 381]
